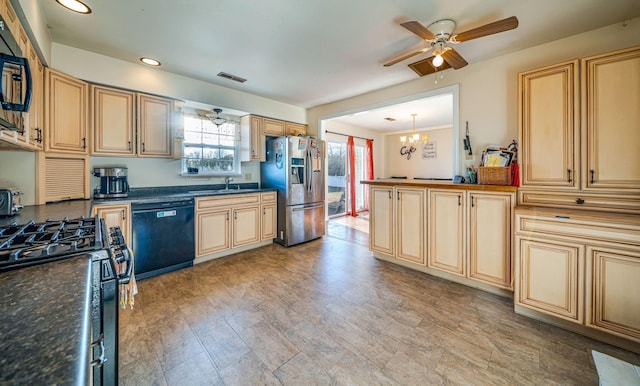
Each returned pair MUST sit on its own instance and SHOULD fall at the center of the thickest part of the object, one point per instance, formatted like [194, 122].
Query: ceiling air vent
[390, 119]
[232, 77]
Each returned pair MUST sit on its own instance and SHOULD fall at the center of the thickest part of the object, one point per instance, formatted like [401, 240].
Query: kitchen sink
[221, 191]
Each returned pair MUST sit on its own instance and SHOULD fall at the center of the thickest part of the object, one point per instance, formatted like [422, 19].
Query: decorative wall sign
[429, 150]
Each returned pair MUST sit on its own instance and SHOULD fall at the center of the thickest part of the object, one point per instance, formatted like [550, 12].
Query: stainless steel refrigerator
[295, 167]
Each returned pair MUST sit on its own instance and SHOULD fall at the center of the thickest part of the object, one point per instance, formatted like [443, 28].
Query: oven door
[104, 320]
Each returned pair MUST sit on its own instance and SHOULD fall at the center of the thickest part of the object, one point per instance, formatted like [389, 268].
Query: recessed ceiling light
[75, 5]
[150, 61]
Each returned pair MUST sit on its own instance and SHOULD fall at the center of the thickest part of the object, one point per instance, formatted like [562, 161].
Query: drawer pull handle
[459, 200]
[579, 201]
[569, 173]
[593, 178]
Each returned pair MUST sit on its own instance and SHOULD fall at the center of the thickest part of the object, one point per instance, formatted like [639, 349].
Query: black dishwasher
[163, 236]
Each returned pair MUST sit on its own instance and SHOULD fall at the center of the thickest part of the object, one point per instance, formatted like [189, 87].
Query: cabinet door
[268, 225]
[36, 110]
[551, 277]
[549, 113]
[490, 238]
[295, 128]
[116, 215]
[272, 127]
[446, 230]
[410, 225]
[381, 228]
[112, 118]
[66, 100]
[257, 139]
[155, 116]
[611, 96]
[613, 288]
[246, 226]
[212, 232]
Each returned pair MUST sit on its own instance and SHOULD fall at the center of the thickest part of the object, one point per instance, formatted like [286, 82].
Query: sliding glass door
[338, 197]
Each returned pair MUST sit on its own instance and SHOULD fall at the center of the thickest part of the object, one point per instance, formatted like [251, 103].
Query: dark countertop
[44, 323]
[55, 211]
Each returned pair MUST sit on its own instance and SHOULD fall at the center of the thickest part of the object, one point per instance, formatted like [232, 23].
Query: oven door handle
[125, 277]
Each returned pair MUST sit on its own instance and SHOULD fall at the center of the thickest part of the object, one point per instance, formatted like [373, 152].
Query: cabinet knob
[579, 201]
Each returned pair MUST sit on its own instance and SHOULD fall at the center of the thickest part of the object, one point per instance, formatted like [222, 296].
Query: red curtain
[368, 169]
[369, 159]
[351, 155]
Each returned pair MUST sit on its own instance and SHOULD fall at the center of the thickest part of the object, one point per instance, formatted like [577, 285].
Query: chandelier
[414, 137]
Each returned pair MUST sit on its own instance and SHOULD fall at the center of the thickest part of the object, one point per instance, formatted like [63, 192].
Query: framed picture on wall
[429, 150]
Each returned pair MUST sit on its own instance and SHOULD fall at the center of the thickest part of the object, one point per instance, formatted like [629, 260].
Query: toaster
[10, 201]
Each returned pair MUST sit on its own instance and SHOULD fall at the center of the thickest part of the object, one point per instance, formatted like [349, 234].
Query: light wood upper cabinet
[381, 226]
[116, 215]
[295, 128]
[611, 119]
[66, 101]
[155, 117]
[411, 224]
[113, 121]
[490, 233]
[549, 122]
[273, 127]
[613, 304]
[551, 278]
[36, 110]
[253, 140]
[447, 231]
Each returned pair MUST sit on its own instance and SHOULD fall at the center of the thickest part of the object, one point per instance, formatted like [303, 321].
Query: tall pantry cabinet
[578, 223]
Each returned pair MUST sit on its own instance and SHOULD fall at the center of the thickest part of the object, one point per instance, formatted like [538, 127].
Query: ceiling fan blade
[488, 29]
[418, 29]
[404, 57]
[425, 67]
[453, 58]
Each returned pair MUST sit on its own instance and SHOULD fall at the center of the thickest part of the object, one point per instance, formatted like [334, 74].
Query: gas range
[35, 243]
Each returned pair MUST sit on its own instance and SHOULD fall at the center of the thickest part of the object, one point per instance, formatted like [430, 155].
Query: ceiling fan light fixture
[75, 6]
[437, 61]
[217, 119]
[442, 28]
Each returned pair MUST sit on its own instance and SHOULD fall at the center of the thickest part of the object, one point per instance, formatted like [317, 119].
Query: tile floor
[327, 312]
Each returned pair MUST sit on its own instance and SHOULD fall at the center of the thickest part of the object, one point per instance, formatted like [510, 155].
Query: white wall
[416, 166]
[488, 90]
[378, 141]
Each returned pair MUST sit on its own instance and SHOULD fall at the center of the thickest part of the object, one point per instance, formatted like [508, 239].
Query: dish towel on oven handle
[129, 290]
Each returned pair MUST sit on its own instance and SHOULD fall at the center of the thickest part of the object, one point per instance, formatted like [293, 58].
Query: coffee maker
[113, 183]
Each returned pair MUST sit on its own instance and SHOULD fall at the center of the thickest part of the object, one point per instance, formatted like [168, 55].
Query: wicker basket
[494, 175]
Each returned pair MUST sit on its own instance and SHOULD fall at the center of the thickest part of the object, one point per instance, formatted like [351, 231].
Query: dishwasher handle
[161, 205]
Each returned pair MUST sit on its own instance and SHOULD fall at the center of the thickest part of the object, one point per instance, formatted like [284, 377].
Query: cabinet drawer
[269, 196]
[601, 202]
[226, 201]
[586, 229]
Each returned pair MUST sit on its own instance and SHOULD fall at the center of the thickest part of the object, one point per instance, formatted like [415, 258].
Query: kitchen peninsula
[461, 232]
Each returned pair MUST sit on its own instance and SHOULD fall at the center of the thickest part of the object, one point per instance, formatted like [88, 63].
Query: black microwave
[15, 82]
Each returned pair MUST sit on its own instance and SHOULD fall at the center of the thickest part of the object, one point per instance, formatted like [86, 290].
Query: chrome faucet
[226, 182]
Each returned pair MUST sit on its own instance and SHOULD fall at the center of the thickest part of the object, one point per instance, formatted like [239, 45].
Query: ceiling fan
[439, 38]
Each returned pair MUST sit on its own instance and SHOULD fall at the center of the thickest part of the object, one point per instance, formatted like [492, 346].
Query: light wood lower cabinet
[613, 288]
[381, 228]
[551, 278]
[398, 223]
[489, 238]
[411, 224]
[447, 231]
[580, 267]
[116, 215]
[224, 223]
[212, 232]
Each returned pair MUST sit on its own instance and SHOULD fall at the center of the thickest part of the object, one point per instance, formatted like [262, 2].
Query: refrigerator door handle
[308, 208]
